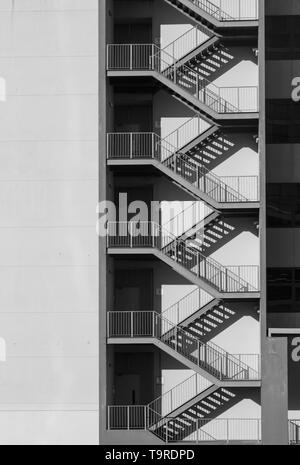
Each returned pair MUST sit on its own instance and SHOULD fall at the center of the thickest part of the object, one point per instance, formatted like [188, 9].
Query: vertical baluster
[227, 429]
[131, 52]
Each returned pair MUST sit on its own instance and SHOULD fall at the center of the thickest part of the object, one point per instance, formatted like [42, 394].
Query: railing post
[221, 368]
[258, 430]
[175, 77]
[131, 61]
[107, 57]
[227, 427]
[108, 417]
[108, 324]
[226, 280]
[153, 324]
[153, 58]
[131, 324]
[145, 416]
[128, 421]
[198, 352]
[131, 146]
[197, 426]
[226, 366]
[153, 142]
[167, 432]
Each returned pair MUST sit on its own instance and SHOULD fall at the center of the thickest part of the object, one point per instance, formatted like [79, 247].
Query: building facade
[180, 318]
[181, 275]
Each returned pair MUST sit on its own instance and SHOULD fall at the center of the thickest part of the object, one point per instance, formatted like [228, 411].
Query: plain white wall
[48, 187]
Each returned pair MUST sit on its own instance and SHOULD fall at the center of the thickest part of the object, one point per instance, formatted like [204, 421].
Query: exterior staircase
[207, 359]
[184, 83]
[195, 414]
[184, 412]
[207, 233]
[214, 17]
[187, 173]
[214, 278]
[203, 52]
[202, 316]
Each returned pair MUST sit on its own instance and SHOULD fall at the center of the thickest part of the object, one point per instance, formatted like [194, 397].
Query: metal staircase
[207, 233]
[185, 412]
[201, 51]
[215, 14]
[215, 278]
[187, 173]
[185, 421]
[201, 315]
[183, 82]
[207, 359]
[185, 68]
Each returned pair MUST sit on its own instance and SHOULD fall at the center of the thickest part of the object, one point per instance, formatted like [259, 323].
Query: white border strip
[284, 331]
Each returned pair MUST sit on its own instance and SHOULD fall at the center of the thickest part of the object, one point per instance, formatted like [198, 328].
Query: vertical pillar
[274, 392]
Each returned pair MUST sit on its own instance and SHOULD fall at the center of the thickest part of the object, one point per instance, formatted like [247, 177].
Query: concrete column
[274, 392]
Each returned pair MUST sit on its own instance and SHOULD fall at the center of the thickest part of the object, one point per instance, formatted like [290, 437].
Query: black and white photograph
[150, 225]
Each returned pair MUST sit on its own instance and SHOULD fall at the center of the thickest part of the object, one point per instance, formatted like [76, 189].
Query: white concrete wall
[48, 192]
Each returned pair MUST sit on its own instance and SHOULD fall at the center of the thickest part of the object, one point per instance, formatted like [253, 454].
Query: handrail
[212, 9]
[201, 257]
[150, 57]
[150, 145]
[188, 41]
[200, 87]
[208, 356]
[236, 12]
[187, 131]
[177, 396]
[135, 417]
[150, 234]
[187, 305]
[294, 431]
[195, 214]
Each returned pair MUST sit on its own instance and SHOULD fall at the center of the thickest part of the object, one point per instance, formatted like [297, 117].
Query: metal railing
[128, 417]
[151, 146]
[187, 306]
[229, 10]
[187, 42]
[194, 215]
[294, 431]
[248, 273]
[176, 397]
[149, 57]
[248, 186]
[220, 429]
[149, 234]
[187, 132]
[245, 98]
[208, 356]
[133, 417]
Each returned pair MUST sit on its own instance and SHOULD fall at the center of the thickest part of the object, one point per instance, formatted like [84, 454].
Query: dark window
[283, 37]
[283, 121]
[283, 205]
[283, 290]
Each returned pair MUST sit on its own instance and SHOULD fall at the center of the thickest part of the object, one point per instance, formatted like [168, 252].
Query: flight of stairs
[213, 402]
